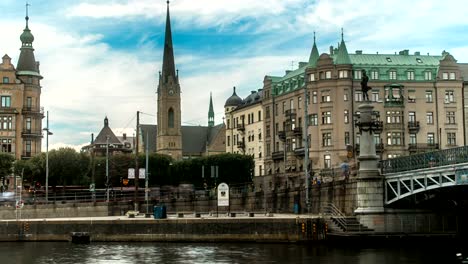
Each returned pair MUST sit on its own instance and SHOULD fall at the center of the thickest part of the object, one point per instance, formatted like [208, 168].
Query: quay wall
[166, 230]
[55, 210]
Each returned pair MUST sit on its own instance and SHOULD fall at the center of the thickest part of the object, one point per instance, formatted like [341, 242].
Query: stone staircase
[340, 223]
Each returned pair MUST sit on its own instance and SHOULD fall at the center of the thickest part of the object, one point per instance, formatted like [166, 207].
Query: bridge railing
[425, 160]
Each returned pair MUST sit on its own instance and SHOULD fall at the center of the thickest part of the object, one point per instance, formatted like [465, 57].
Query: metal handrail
[334, 212]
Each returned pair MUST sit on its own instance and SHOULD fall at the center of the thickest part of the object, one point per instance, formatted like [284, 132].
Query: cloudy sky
[102, 57]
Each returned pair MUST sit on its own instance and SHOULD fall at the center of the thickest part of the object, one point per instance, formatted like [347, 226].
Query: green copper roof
[342, 56]
[395, 60]
[314, 55]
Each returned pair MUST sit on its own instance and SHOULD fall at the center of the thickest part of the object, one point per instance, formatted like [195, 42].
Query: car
[7, 196]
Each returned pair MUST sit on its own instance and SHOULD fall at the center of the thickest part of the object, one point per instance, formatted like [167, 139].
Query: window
[312, 77]
[449, 96]
[343, 74]
[28, 123]
[450, 117]
[451, 139]
[267, 112]
[326, 97]
[430, 139]
[394, 117]
[394, 138]
[345, 95]
[6, 80]
[170, 118]
[389, 59]
[427, 75]
[374, 75]
[346, 138]
[268, 149]
[284, 106]
[314, 97]
[259, 115]
[299, 102]
[418, 60]
[430, 118]
[412, 117]
[314, 120]
[228, 124]
[6, 101]
[326, 139]
[327, 161]
[326, 117]
[375, 96]
[411, 96]
[410, 75]
[28, 147]
[452, 76]
[267, 128]
[358, 97]
[429, 98]
[357, 74]
[328, 75]
[392, 75]
[228, 141]
[445, 76]
[376, 139]
[346, 116]
[412, 139]
[6, 123]
[259, 134]
[5, 145]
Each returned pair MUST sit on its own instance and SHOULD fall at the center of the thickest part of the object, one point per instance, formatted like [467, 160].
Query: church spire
[342, 56]
[168, 68]
[211, 113]
[314, 55]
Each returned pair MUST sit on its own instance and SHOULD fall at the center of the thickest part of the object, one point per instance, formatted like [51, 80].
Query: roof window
[419, 60]
[389, 59]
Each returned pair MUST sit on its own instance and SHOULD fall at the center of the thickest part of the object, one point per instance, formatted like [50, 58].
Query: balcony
[379, 148]
[393, 126]
[290, 113]
[299, 151]
[26, 155]
[277, 155]
[241, 145]
[422, 147]
[394, 102]
[282, 135]
[31, 133]
[29, 110]
[413, 127]
[241, 127]
[8, 110]
[297, 131]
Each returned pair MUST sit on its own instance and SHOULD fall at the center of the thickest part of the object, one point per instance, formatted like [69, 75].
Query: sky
[102, 57]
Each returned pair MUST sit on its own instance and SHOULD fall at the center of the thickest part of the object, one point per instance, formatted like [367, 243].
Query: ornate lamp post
[47, 157]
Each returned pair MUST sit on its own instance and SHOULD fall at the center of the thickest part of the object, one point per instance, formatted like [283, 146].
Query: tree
[67, 167]
[6, 164]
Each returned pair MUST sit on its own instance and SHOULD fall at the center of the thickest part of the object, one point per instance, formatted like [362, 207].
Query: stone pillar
[370, 185]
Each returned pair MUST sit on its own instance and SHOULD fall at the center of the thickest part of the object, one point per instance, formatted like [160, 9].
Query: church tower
[169, 133]
[211, 113]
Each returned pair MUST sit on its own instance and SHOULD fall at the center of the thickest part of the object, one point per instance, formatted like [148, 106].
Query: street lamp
[107, 169]
[47, 157]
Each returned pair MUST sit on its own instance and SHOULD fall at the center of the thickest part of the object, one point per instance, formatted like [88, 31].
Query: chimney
[124, 136]
[92, 138]
[359, 52]
[417, 53]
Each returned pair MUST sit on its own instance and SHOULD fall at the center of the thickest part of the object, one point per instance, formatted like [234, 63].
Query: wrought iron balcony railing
[33, 110]
[299, 151]
[241, 127]
[8, 110]
[413, 127]
[298, 131]
[277, 155]
[394, 102]
[26, 155]
[241, 145]
[290, 113]
[31, 133]
[282, 135]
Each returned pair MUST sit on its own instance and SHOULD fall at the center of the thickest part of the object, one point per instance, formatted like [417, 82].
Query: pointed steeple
[211, 113]
[314, 54]
[106, 122]
[27, 64]
[168, 68]
[342, 56]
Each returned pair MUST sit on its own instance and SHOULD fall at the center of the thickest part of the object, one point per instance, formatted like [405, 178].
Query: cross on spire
[27, 16]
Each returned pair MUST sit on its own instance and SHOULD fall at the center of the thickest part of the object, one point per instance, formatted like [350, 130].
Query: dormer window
[392, 75]
[357, 74]
[427, 75]
[328, 75]
[374, 75]
[312, 77]
[410, 75]
[445, 76]
[452, 76]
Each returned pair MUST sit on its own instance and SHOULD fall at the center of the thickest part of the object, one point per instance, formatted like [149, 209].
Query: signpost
[223, 195]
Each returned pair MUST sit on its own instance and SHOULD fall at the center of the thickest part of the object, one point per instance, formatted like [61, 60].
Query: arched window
[170, 118]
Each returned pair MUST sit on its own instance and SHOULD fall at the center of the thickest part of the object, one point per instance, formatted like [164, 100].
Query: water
[63, 253]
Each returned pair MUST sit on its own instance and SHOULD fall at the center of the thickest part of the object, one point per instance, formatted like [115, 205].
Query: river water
[64, 252]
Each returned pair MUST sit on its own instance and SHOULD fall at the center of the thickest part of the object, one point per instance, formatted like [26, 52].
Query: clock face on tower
[171, 92]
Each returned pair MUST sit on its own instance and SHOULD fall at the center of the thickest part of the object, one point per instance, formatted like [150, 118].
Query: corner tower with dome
[21, 112]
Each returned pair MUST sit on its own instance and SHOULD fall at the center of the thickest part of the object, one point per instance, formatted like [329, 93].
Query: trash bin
[159, 212]
[296, 208]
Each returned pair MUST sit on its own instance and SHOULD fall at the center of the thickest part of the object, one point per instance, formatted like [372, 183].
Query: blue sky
[102, 57]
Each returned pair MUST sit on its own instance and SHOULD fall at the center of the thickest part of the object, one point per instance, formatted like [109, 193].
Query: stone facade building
[21, 113]
[244, 127]
[417, 98]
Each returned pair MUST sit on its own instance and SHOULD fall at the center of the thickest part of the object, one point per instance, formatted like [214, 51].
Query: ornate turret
[27, 64]
[234, 100]
[211, 113]
[314, 55]
[342, 56]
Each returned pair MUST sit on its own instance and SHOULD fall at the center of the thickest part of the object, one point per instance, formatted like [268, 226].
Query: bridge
[409, 175]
